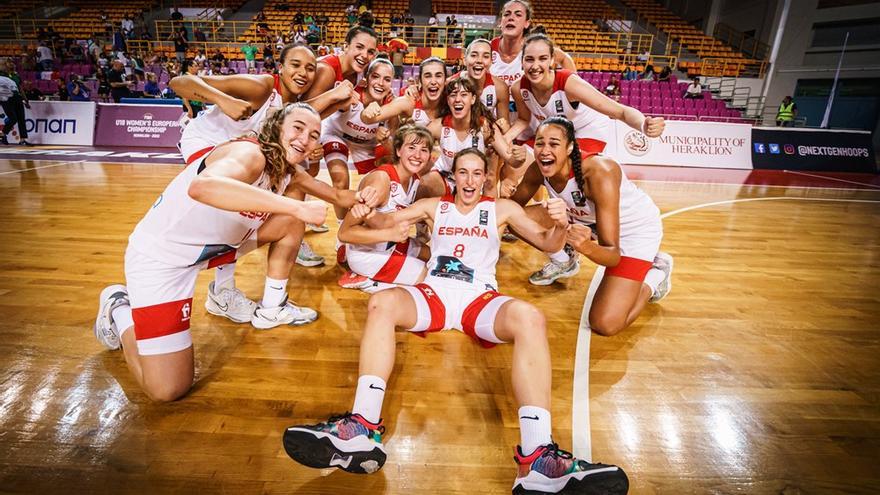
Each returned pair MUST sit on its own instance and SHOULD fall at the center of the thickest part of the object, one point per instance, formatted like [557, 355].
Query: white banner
[61, 122]
[687, 144]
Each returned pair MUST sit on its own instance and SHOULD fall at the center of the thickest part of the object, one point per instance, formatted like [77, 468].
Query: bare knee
[379, 303]
[167, 392]
[527, 321]
[607, 325]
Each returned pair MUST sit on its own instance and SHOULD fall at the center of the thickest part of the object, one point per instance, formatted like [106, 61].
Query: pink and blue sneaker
[550, 469]
[348, 442]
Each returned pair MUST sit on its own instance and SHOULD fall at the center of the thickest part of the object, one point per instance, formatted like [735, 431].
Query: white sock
[369, 397]
[653, 279]
[122, 318]
[224, 277]
[274, 292]
[534, 428]
[559, 257]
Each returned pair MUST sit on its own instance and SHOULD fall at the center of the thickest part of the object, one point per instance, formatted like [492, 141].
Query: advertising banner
[138, 125]
[782, 148]
[686, 144]
[60, 122]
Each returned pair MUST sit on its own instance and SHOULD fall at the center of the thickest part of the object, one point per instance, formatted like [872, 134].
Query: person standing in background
[787, 113]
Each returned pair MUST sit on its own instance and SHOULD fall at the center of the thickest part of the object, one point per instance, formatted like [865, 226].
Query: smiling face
[478, 59]
[432, 79]
[469, 172]
[379, 81]
[536, 61]
[300, 134]
[552, 149]
[414, 153]
[360, 52]
[460, 102]
[514, 19]
[298, 70]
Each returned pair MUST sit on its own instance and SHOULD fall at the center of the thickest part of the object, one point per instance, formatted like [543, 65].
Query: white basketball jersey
[636, 207]
[420, 116]
[181, 231]
[487, 96]
[347, 125]
[450, 145]
[508, 72]
[398, 199]
[588, 123]
[464, 247]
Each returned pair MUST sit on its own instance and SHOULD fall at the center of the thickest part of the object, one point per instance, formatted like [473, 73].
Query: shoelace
[347, 416]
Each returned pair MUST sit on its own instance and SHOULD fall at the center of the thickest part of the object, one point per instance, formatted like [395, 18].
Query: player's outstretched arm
[548, 240]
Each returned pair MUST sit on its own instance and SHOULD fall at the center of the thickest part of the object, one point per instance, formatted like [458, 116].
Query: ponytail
[574, 156]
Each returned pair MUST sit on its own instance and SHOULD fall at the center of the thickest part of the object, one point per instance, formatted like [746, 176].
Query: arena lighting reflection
[40, 399]
[669, 425]
[629, 433]
[9, 398]
[75, 402]
[723, 428]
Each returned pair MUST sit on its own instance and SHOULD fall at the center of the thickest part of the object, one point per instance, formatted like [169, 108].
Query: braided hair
[575, 155]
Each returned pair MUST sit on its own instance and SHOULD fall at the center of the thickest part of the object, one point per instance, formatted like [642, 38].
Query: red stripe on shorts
[435, 306]
[162, 319]
[222, 259]
[589, 146]
[391, 269]
[631, 268]
[470, 314]
[198, 154]
[365, 166]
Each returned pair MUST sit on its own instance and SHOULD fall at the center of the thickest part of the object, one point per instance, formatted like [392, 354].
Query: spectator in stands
[432, 30]
[351, 18]
[366, 19]
[28, 60]
[30, 92]
[787, 113]
[199, 35]
[103, 63]
[76, 89]
[269, 65]
[76, 52]
[630, 74]
[151, 87]
[313, 37]
[649, 74]
[200, 57]
[119, 45]
[93, 49]
[176, 15]
[308, 19]
[298, 18]
[44, 56]
[119, 84]
[128, 26]
[665, 74]
[612, 90]
[63, 93]
[322, 19]
[41, 34]
[191, 107]
[455, 31]
[644, 57]
[694, 89]
[351, 9]
[219, 58]
[13, 102]
[179, 36]
[300, 35]
[250, 54]
[268, 51]
[7, 68]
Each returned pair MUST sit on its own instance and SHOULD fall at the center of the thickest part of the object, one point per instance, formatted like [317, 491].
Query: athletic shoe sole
[211, 307]
[569, 274]
[103, 300]
[267, 324]
[671, 262]
[597, 483]
[309, 263]
[308, 449]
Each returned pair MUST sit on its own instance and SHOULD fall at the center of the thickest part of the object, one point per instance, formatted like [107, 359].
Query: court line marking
[59, 164]
[580, 396]
[866, 184]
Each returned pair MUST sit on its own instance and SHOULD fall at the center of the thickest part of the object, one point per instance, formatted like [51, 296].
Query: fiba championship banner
[780, 148]
[60, 122]
[138, 125]
[686, 144]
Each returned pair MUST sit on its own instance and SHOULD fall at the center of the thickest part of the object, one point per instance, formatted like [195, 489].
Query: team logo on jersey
[484, 217]
[446, 132]
[394, 188]
[636, 143]
[577, 197]
[185, 310]
[525, 94]
[558, 106]
[443, 207]
[336, 146]
[452, 268]
[428, 291]
[489, 99]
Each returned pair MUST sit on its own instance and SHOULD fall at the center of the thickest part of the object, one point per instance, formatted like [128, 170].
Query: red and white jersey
[347, 124]
[487, 96]
[588, 123]
[636, 208]
[450, 145]
[507, 72]
[335, 64]
[399, 197]
[180, 231]
[464, 247]
[419, 115]
[214, 127]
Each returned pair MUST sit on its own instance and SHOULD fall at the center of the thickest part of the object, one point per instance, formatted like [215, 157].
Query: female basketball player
[222, 205]
[627, 223]
[492, 89]
[359, 51]
[396, 186]
[459, 293]
[344, 133]
[544, 92]
[419, 105]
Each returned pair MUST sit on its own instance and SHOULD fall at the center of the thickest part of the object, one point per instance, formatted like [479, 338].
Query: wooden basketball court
[759, 374]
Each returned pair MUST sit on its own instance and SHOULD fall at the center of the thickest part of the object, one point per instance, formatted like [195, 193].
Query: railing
[465, 7]
[747, 44]
[658, 61]
[213, 30]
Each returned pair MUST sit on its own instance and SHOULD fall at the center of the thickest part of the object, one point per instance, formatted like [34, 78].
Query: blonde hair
[269, 139]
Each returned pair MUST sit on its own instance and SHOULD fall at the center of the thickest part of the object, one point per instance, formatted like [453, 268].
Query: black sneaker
[348, 442]
[550, 469]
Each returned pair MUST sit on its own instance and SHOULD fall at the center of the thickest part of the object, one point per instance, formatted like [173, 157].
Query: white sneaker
[285, 314]
[111, 298]
[319, 229]
[307, 257]
[663, 262]
[230, 303]
[374, 287]
[553, 271]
